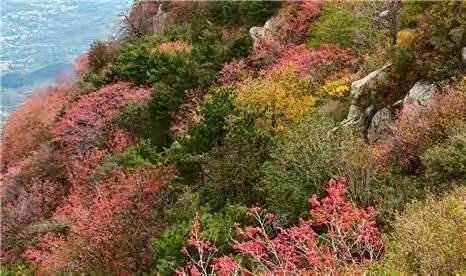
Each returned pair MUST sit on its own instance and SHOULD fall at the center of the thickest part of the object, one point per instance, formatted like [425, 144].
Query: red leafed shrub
[313, 62]
[118, 140]
[30, 124]
[233, 72]
[350, 238]
[418, 128]
[296, 18]
[107, 219]
[265, 52]
[30, 192]
[308, 11]
[89, 117]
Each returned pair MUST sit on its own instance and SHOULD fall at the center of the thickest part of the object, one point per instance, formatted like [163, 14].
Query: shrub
[31, 190]
[265, 52]
[338, 88]
[30, 125]
[297, 18]
[233, 72]
[218, 228]
[442, 36]
[140, 154]
[137, 120]
[173, 47]
[336, 109]
[413, 135]
[350, 238]
[110, 225]
[447, 161]
[231, 13]
[429, 237]
[187, 112]
[90, 117]
[231, 170]
[304, 157]
[281, 97]
[339, 24]
[211, 129]
[314, 65]
[100, 55]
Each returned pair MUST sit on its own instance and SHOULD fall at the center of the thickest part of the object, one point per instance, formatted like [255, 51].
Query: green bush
[216, 227]
[136, 119]
[167, 248]
[232, 170]
[212, 128]
[409, 11]
[210, 131]
[248, 13]
[303, 159]
[390, 193]
[21, 267]
[140, 154]
[441, 37]
[446, 161]
[340, 24]
[429, 237]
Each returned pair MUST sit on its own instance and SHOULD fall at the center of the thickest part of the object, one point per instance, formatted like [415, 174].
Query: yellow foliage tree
[281, 97]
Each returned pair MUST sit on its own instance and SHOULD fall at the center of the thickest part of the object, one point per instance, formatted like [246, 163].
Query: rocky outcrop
[417, 98]
[269, 28]
[463, 53]
[419, 94]
[363, 88]
[380, 124]
[361, 109]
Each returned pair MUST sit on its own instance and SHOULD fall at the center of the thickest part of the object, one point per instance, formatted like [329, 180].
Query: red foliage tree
[350, 238]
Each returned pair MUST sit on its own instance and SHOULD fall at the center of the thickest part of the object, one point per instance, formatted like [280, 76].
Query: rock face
[361, 89]
[256, 33]
[417, 99]
[379, 124]
[270, 26]
[361, 110]
[463, 53]
[419, 94]
[374, 123]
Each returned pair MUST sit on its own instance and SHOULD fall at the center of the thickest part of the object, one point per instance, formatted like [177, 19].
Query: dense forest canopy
[247, 137]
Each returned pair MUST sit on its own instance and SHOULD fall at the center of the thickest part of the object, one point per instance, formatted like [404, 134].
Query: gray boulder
[269, 28]
[256, 33]
[419, 94]
[380, 124]
[361, 110]
[361, 89]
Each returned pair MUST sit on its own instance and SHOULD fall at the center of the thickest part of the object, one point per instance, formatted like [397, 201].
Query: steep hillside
[251, 137]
